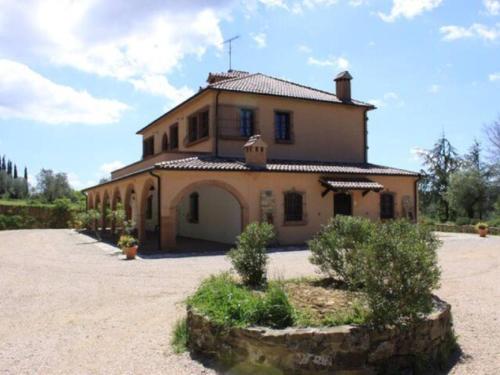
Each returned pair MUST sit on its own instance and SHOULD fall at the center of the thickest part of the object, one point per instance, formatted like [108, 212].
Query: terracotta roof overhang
[339, 184]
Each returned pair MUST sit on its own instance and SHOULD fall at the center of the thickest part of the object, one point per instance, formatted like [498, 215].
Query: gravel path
[69, 305]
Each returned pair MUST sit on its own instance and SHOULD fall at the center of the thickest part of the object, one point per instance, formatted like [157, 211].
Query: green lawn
[23, 202]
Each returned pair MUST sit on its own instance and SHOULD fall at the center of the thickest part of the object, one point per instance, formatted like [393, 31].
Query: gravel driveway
[70, 305]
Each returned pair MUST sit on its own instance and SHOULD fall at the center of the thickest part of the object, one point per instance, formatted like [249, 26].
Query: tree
[440, 162]
[26, 174]
[15, 171]
[493, 134]
[4, 166]
[467, 192]
[9, 168]
[52, 186]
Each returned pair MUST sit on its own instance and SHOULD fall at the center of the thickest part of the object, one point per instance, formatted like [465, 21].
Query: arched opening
[164, 142]
[129, 205]
[209, 215]
[106, 208]
[97, 206]
[116, 203]
[149, 226]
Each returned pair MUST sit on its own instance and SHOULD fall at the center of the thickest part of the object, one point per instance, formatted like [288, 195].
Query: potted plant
[482, 229]
[129, 245]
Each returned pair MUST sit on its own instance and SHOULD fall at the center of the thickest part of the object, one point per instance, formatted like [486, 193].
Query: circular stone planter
[352, 350]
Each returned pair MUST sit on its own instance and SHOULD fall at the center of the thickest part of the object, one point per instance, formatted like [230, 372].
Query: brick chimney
[255, 152]
[343, 86]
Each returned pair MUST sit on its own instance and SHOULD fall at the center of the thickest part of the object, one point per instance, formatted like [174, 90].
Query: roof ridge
[233, 79]
[299, 84]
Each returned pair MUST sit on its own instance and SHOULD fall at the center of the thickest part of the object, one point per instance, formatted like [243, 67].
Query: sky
[79, 78]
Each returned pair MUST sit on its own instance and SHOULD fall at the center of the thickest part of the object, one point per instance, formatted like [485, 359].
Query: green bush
[179, 339]
[228, 303]
[400, 272]
[336, 249]
[462, 221]
[249, 258]
[11, 222]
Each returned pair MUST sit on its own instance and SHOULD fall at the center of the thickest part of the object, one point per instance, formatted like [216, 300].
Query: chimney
[255, 152]
[343, 86]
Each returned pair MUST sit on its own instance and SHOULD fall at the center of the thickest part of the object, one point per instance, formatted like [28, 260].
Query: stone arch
[148, 211]
[191, 188]
[127, 204]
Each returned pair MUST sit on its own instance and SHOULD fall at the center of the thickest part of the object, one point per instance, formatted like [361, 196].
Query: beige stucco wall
[219, 216]
[321, 131]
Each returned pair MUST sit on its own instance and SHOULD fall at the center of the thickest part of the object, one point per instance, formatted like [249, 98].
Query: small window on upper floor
[148, 147]
[174, 137]
[198, 126]
[246, 122]
[282, 126]
[164, 142]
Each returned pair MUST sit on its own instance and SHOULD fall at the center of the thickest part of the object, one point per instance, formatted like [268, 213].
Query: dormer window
[148, 147]
[282, 126]
[246, 122]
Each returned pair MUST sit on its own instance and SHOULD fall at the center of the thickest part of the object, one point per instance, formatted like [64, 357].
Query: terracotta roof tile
[211, 163]
[259, 83]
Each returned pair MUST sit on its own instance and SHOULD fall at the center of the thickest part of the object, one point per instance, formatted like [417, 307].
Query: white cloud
[389, 98]
[434, 88]
[337, 62]
[107, 168]
[304, 49]
[260, 39]
[417, 153]
[126, 41]
[492, 7]
[408, 9]
[494, 77]
[476, 30]
[76, 183]
[26, 94]
[357, 3]
[293, 6]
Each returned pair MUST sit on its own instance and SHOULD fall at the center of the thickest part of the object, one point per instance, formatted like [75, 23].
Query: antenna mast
[229, 41]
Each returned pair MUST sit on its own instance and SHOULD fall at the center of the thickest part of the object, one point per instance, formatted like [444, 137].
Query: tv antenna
[229, 41]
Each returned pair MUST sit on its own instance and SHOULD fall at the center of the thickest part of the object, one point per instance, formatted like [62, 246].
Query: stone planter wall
[340, 350]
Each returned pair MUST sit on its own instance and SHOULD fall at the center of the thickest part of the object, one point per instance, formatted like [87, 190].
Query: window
[164, 142]
[282, 126]
[293, 207]
[246, 122]
[386, 206]
[198, 126]
[194, 208]
[148, 147]
[149, 208]
[174, 137]
[193, 128]
[203, 120]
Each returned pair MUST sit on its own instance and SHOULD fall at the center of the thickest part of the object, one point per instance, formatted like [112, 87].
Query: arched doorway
[106, 207]
[116, 203]
[210, 212]
[148, 225]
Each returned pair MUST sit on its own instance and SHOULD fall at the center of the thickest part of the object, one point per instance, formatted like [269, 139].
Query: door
[342, 204]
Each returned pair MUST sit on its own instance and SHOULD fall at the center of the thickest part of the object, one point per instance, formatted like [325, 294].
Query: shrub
[336, 249]
[11, 222]
[462, 221]
[228, 303]
[400, 272]
[249, 258]
[481, 226]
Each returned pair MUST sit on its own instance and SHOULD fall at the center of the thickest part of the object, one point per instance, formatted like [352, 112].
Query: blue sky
[78, 79]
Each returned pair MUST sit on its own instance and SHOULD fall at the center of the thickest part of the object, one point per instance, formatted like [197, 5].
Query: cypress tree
[9, 168]
[4, 168]
[26, 173]
[15, 171]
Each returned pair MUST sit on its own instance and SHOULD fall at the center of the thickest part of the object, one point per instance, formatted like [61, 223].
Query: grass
[180, 337]
[228, 303]
[23, 203]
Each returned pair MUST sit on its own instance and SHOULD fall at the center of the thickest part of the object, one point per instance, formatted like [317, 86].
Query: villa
[250, 147]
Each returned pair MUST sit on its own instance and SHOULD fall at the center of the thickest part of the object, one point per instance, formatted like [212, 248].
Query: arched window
[387, 206]
[194, 208]
[164, 142]
[293, 207]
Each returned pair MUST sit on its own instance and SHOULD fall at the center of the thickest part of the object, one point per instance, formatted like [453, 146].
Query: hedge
[33, 217]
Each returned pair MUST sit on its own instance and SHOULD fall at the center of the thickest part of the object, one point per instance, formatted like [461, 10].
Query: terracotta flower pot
[483, 232]
[130, 252]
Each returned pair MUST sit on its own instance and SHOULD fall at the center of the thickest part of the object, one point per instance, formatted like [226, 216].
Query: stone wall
[352, 350]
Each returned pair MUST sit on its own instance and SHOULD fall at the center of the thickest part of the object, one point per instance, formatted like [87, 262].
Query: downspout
[217, 123]
[158, 203]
